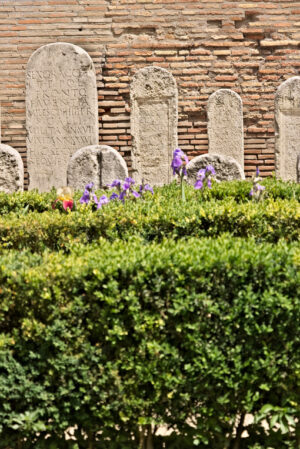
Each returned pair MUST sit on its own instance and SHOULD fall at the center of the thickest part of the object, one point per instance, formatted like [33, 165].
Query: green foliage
[153, 219]
[115, 336]
[130, 324]
[23, 202]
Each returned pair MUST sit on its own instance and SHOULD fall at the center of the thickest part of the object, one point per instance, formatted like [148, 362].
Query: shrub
[117, 336]
[23, 202]
[152, 219]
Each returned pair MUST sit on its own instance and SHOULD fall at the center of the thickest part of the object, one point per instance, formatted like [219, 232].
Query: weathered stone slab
[154, 114]
[225, 125]
[61, 111]
[99, 164]
[287, 135]
[11, 170]
[226, 167]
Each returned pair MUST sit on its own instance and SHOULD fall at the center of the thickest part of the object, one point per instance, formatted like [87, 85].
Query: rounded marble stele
[225, 124]
[287, 129]
[100, 164]
[61, 111]
[11, 170]
[153, 119]
[226, 167]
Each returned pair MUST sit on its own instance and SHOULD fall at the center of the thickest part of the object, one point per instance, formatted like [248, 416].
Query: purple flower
[257, 190]
[85, 199]
[210, 169]
[116, 183]
[179, 161]
[204, 177]
[114, 196]
[149, 188]
[135, 194]
[199, 184]
[145, 187]
[102, 200]
[257, 171]
[201, 174]
[127, 189]
[128, 183]
[89, 186]
[122, 195]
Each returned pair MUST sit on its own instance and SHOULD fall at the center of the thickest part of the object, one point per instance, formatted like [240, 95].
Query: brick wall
[206, 44]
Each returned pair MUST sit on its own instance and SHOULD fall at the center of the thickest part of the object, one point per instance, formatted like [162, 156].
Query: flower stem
[182, 188]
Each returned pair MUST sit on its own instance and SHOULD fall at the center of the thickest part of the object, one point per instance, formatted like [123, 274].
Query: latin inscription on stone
[61, 111]
[287, 136]
[225, 125]
[153, 124]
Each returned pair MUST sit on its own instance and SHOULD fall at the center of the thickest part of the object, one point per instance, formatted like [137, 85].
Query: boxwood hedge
[117, 338]
[152, 219]
[23, 202]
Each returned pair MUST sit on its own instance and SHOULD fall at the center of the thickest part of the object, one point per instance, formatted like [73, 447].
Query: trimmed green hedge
[191, 334]
[152, 219]
[23, 202]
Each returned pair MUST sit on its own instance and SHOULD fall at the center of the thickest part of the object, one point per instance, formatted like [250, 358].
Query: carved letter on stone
[225, 125]
[153, 124]
[61, 111]
[11, 170]
[287, 136]
[99, 164]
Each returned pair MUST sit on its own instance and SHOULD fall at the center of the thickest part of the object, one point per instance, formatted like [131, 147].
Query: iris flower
[102, 200]
[127, 189]
[135, 194]
[128, 183]
[116, 183]
[199, 184]
[210, 169]
[86, 197]
[257, 191]
[65, 195]
[179, 162]
[205, 176]
[114, 196]
[145, 187]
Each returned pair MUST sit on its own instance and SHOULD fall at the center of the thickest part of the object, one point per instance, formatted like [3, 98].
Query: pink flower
[68, 204]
